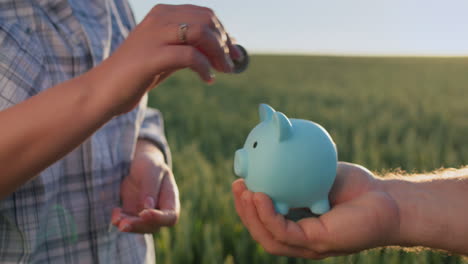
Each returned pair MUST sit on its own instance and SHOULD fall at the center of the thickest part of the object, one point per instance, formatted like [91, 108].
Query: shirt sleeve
[152, 129]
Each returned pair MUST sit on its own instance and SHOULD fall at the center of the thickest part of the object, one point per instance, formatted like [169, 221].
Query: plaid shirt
[63, 214]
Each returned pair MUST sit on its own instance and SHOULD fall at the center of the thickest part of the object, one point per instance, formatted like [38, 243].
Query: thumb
[148, 199]
[150, 186]
[160, 217]
[149, 203]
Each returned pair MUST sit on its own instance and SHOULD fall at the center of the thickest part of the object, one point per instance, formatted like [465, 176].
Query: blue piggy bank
[293, 161]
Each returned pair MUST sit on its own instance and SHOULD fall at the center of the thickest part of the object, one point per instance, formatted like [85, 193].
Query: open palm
[363, 216]
[150, 197]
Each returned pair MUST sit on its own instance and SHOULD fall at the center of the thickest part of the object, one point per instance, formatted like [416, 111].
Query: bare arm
[42, 129]
[367, 212]
[46, 127]
[433, 209]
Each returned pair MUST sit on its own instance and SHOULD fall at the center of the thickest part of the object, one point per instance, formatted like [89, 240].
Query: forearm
[433, 209]
[44, 128]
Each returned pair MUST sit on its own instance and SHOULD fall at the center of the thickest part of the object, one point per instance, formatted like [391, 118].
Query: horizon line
[357, 54]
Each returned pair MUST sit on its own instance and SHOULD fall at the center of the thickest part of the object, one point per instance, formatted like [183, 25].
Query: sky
[342, 27]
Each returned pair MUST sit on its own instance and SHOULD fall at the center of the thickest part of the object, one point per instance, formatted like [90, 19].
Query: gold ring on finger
[182, 34]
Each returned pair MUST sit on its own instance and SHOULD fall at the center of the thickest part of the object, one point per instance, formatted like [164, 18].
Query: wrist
[416, 206]
[398, 190]
[118, 86]
[149, 149]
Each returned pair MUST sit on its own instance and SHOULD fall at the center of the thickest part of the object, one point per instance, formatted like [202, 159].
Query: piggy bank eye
[255, 144]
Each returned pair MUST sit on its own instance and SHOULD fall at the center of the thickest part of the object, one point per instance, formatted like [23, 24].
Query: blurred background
[388, 80]
[358, 27]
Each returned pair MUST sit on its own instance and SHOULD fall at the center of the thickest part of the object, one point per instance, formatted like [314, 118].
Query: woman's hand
[363, 216]
[157, 47]
[150, 197]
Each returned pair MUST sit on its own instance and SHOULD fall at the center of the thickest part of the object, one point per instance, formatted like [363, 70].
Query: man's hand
[149, 194]
[363, 216]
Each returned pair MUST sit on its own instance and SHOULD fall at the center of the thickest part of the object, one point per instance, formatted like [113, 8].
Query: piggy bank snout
[240, 163]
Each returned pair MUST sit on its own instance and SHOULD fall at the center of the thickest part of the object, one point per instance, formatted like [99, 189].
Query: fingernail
[211, 78]
[149, 202]
[126, 228]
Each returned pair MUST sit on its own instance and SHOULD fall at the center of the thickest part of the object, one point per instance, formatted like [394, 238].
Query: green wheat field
[383, 113]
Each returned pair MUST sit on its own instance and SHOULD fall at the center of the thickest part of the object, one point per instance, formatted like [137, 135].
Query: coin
[241, 65]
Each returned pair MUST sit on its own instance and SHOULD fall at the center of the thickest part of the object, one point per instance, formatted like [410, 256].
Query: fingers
[149, 220]
[205, 32]
[256, 229]
[263, 235]
[159, 217]
[159, 79]
[234, 52]
[210, 42]
[177, 57]
[276, 234]
[238, 187]
[308, 233]
[169, 196]
[116, 216]
[213, 44]
[283, 230]
[159, 200]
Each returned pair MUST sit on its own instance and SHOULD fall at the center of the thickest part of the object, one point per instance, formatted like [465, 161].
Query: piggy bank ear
[283, 126]
[266, 112]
